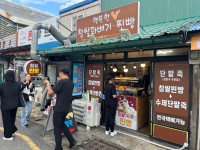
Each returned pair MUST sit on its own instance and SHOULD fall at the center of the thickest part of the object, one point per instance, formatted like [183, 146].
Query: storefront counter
[132, 112]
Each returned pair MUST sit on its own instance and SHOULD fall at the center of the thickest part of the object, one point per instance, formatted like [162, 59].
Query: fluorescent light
[164, 51]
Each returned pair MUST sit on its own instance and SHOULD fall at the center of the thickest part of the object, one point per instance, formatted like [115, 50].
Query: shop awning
[195, 27]
[150, 35]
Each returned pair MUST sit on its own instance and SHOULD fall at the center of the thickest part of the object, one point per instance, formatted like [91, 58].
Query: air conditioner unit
[86, 112]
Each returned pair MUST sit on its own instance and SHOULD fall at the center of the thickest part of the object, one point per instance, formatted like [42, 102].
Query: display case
[133, 103]
[129, 86]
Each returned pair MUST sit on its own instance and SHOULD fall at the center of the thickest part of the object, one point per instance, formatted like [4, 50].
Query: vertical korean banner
[171, 96]
[78, 79]
[94, 80]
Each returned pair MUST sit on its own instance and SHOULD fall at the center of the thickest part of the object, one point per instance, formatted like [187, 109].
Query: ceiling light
[124, 66]
[115, 69]
[134, 66]
[143, 65]
[111, 66]
[125, 70]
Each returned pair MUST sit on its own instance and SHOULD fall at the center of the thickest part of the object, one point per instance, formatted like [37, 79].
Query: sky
[49, 6]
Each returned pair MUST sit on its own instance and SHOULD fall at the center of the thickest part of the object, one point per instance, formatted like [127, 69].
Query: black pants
[59, 127]
[9, 117]
[110, 117]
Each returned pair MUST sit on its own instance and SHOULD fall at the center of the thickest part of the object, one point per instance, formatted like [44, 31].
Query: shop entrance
[132, 81]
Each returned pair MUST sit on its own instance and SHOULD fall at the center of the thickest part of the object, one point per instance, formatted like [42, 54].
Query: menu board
[126, 115]
[171, 94]
[78, 79]
[94, 80]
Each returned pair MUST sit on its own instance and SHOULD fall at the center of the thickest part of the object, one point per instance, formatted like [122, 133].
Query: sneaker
[26, 125]
[73, 144]
[113, 133]
[8, 139]
[107, 132]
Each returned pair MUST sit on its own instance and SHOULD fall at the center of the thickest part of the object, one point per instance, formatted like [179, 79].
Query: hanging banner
[94, 80]
[109, 23]
[78, 79]
[171, 95]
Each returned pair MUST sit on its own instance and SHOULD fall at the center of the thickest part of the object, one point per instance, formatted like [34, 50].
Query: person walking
[111, 106]
[28, 94]
[10, 96]
[63, 90]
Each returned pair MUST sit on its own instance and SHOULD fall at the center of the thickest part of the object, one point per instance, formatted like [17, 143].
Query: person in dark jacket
[63, 90]
[111, 105]
[28, 92]
[10, 95]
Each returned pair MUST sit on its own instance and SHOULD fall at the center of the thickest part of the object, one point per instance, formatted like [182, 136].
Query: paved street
[26, 139]
[95, 139]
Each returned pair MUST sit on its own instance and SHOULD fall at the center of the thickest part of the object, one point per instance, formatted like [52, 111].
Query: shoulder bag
[21, 100]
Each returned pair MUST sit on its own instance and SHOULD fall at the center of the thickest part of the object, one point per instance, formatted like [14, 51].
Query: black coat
[10, 92]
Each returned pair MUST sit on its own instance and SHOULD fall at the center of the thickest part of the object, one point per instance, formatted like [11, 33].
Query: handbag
[31, 98]
[21, 100]
[70, 121]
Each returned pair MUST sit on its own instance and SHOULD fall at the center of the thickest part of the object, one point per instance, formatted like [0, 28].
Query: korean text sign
[94, 79]
[109, 23]
[32, 67]
[171, 101]
[126, 115]
[78, 79]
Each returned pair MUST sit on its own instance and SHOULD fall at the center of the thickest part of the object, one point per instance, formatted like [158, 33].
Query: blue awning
[75, 6]
[195, 27]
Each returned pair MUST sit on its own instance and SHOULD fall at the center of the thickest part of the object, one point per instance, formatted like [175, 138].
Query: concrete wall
[88, 10]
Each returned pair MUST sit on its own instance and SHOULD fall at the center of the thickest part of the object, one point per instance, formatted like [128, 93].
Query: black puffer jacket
[10, 91]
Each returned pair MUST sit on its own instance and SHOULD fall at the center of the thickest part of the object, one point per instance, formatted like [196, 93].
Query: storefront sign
[195, 42]
[25, 36]
[109, 23]
[126, 115]
[94, 80]
[45, 40]
[32, 67]
[170, 135]
[78, 79]
[8, 42]
[171, 101]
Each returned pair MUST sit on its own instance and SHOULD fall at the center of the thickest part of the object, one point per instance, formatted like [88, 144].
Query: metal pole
[64, 26]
